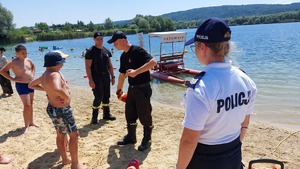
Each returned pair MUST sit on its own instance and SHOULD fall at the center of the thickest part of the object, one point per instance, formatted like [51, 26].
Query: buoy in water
[186, 51]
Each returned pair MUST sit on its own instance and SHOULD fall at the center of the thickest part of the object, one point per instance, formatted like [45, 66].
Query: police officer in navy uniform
[135, 63]
[100, 74]
[218, 104]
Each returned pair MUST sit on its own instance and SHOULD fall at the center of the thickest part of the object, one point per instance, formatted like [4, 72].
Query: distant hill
[228, 11]
[122, 22]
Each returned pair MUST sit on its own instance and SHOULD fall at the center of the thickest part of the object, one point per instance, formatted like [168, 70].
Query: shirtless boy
[24, 70]
[59, 110]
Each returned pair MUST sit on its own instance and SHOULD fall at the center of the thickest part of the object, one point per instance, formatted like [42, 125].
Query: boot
[130, 138]
[106, 114]
[146, 142]
[95, 116]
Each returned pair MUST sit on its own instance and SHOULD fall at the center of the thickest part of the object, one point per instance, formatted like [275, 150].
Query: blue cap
[212, 30]
[54, 58]
[117, 35]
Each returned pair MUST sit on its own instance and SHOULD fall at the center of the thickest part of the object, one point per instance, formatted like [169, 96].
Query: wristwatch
[113, 77]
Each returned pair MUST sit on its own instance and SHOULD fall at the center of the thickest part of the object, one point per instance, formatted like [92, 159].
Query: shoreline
[97, 143]
[289, 121]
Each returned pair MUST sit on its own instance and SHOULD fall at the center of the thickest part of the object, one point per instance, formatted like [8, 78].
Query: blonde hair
[220, 49]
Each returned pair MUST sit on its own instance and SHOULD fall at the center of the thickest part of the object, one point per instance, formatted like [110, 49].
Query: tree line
[43, 32]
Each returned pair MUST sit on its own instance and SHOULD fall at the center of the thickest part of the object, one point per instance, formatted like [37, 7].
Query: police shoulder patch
[194, 81]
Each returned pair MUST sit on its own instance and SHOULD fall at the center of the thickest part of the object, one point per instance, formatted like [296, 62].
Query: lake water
[270, 54]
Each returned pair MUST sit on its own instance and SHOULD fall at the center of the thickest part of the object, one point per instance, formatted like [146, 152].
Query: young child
[24, 70]
[5, 83]
[59, 110]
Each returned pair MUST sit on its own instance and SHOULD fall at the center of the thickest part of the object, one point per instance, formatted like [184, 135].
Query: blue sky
[29, 12]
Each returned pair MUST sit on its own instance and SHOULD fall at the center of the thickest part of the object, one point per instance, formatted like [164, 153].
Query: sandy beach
[97, 143]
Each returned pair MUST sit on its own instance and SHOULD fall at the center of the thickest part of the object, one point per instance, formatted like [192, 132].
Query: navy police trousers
[225, 156]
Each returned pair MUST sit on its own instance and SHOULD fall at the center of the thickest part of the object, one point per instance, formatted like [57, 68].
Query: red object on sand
[134, 163]
[122, 96]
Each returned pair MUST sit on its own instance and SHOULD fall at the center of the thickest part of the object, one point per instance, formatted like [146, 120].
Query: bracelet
[244, 127]
[113, 77]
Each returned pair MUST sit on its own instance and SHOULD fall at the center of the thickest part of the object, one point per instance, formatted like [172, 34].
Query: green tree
[143, 24]
[79, 25]
[108, 24]
[136, 19]
[23, 31]
[99, 27]
[162, 23]
[42, 26]
[132, 26]
[6, 20]
[68, 27]
[155, 24]
[169, 25]
[90, 26]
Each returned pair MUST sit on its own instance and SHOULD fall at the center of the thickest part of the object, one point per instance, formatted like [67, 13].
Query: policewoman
[218, 104]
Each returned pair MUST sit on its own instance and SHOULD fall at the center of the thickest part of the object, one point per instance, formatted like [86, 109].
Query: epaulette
[242, 70]
[194, 81]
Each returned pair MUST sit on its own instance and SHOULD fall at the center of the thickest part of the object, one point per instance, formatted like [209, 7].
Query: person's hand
[119, 92]
[113, 80]
[92, 84]
[131, 72]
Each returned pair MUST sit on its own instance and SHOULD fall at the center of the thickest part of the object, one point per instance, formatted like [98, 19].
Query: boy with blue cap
[58, 109]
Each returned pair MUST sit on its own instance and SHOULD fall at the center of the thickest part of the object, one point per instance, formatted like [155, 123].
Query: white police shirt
[219, 103]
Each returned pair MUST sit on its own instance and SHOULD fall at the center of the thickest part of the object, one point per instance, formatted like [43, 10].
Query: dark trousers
[225, 156]
[138, 105]
[102, 90]
[6, 85]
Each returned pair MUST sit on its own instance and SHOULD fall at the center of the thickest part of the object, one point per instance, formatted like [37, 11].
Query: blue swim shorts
[22, 88]
[62, 118]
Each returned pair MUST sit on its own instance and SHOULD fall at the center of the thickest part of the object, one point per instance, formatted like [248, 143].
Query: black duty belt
[100, 73]
[140, 86]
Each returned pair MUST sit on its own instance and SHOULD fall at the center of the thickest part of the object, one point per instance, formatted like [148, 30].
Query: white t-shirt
[3, 61]
[219, 103]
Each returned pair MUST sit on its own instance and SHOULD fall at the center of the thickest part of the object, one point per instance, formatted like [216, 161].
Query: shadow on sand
[127, 153]
[47, 160]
